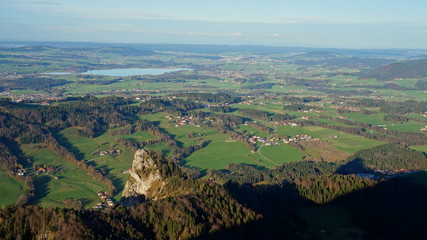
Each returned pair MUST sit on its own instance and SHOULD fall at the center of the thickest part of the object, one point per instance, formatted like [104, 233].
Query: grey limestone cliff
[145, 181]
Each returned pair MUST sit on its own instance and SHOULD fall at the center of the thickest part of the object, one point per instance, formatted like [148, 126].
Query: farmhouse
[20, 172]
[110, 152]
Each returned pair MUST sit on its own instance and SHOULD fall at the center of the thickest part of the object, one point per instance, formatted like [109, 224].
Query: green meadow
[314, 131]
[73, 183]
[220, 153]
[422, 148]
[88, 149]
[10, 189]
[407, 126]
[281, 153]
[351, 143]
[252, 131]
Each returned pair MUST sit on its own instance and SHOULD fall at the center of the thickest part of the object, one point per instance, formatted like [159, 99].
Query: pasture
[73, 183]
[282, 153]
[10, 189]
[220, 153]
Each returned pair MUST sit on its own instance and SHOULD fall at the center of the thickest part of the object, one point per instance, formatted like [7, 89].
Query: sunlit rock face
[145, 180]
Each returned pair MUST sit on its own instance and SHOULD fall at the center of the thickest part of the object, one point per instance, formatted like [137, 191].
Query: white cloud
[302, 19]
[237, 34]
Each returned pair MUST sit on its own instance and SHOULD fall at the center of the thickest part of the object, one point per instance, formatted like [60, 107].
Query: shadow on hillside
[16, 150]
[67, 144]
[117, 182]
[262, 168]
[276, 205]
[99, 133]
[262, 230]
[41, 188]
[353, 166]
[156, 123]
[85, 201]
[392, 209]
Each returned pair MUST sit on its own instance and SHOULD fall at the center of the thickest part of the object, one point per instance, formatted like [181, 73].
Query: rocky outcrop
[145, 181]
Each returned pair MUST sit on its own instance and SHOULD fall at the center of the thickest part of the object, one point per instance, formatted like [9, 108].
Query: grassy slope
[10, 189]
[281, 153]
[422, 148]
[219, 154]
[74, 183]
[350, 143]
[115, 165]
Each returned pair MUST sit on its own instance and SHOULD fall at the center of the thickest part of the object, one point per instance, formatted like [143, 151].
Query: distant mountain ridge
[218, 49]
[322, 54]
[410, 69]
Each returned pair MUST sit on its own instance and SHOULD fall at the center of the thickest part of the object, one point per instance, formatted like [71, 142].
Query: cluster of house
[300, 138]
[37, 171]
[384, 173]
[265, 141]
[248, 102]
[424, 129]
[313, 104]
[42, 98]
[352, 109]
[20, 172]
[225, 74]
[424, 114]
[276, 140]
[292, 124]
[45, 170]
[113, 152]
[217, 105]
[397, 172]
[105, 201]
[184, 120]
[211, 179]
[126, 91]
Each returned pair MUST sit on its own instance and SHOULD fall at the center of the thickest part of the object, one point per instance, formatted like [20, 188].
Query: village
[277, 140]
[39, 98]
[50, 170]
[113, 152]
[185, 120]
[105, 201]
[37, 170]
[385, 173]
[347, 108]
[292, 124]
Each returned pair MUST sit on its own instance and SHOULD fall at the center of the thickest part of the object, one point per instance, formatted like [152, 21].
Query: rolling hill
[410, 69]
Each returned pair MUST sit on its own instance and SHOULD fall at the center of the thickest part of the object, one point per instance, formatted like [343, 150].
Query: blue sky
[312, 23]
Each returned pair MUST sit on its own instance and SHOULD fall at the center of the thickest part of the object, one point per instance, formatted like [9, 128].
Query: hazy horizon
[326, 24]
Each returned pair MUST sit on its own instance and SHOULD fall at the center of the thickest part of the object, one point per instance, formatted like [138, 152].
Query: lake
[125, 72]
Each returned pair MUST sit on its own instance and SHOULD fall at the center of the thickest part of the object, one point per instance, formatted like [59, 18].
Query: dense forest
[241, 201]
[206, 211]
